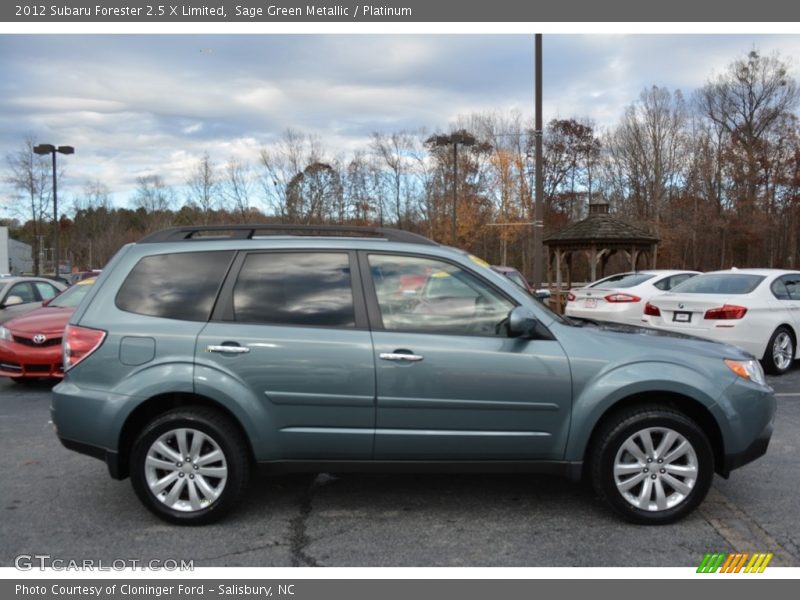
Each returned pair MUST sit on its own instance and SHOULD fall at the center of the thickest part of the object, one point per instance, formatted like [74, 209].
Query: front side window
[450, 300]
[175, 286]
[310, 289]
[24, 291]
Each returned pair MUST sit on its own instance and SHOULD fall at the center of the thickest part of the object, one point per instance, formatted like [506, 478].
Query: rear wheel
[780, 352]
[653, 465]
[189, 466]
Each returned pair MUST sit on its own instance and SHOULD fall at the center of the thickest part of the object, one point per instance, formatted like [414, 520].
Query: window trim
[223, 310]
[373, 306]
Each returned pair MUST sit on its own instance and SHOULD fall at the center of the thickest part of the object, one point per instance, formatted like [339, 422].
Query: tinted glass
[719, 283]
[298, 288]
[73, 296]
[670, 282]
[623, 280]
[174, 286]
[517, 278]
[793, 286]
[46, 291]
[451, 300]
[24, 291]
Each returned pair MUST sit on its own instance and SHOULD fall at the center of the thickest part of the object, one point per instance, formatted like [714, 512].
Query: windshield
[719, 283]
[73, 296]
[622, 280]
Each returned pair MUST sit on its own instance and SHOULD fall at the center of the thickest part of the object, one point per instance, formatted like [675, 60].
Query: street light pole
[43, 149]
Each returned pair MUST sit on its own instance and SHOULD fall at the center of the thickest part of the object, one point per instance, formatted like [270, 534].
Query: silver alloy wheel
[782, 351]
[186, 469]
[655, 469]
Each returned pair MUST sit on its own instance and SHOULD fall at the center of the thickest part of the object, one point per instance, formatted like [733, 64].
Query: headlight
[5, 334]
[747, 369]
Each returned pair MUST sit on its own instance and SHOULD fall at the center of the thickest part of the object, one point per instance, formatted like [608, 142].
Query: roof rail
[243, 232]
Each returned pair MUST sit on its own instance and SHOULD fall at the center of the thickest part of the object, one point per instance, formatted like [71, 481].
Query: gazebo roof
[600, 229]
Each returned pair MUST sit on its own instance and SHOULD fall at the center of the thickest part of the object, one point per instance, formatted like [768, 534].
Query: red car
[30, 345]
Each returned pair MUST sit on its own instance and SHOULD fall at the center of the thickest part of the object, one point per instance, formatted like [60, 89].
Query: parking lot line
[787, 394]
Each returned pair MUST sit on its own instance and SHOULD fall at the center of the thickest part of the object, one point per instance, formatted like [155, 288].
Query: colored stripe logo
[741, 562]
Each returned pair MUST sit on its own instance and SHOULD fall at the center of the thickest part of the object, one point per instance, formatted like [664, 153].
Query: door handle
[400, 356]
[228, 349]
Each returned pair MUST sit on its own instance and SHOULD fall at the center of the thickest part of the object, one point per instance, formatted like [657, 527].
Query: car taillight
[727, 311]
[622, 298]
[80, 342]
[651, 310]
[570, 297]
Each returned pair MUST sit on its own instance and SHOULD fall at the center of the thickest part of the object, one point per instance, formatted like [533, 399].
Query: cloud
[141, 104]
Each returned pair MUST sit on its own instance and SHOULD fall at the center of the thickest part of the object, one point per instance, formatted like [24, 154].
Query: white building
[16, 257]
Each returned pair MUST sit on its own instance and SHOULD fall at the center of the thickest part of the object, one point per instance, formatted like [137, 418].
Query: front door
[451, 384]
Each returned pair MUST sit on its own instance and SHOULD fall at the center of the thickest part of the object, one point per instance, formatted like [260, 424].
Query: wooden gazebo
[599, 236]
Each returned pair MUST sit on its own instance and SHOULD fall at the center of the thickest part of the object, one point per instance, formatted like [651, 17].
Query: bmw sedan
[755, 309]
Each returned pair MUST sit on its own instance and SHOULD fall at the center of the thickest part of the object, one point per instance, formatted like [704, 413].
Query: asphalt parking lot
[56, 502]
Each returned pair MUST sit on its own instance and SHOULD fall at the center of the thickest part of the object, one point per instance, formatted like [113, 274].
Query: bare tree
[393, 151]
[281, 163]
[31, 179]
[203, 184]
[746, 101]
[152, 194]
[237, 188]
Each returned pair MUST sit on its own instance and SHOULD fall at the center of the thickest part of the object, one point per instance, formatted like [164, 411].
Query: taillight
[80, 342]
[727, 311]
[570, 297]
[651, 310]
[622, 298]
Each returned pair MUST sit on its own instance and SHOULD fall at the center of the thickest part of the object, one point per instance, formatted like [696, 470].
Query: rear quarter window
[180, 286]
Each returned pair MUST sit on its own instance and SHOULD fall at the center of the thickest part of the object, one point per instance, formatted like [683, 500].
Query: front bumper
[20, 361]
[755, 450]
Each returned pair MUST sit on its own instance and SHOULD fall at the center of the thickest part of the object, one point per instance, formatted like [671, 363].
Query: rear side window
[719, 283]
[623, 280]
[174, 286]
[310, 289]
[670, 282]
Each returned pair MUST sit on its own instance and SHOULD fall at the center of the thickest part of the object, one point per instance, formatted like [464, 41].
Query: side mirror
[522, 322]
[12, 301]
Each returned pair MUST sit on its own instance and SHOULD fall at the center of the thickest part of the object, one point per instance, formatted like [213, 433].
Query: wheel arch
[682, 403]
[158, 405]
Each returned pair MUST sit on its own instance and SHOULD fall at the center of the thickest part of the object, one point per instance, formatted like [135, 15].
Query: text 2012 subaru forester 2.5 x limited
[203, 351]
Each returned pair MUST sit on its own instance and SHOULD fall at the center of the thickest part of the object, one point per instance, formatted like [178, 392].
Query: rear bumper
[109, 457]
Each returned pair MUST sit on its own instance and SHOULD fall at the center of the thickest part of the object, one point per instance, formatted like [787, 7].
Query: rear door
[451, 384]
[291, 326]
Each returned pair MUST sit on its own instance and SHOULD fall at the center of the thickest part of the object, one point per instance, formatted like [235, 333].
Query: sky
[135, 105]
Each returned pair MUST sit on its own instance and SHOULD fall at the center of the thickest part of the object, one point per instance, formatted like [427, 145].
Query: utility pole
[538, 218]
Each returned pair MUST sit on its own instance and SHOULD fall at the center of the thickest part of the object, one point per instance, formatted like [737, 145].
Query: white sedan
[755, 309]
[621, 298]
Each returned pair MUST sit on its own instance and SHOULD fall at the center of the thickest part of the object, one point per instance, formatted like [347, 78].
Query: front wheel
[779, 353]
[189, 466]
[653, 465]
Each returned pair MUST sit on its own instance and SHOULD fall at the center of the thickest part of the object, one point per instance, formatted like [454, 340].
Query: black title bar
[265, 11]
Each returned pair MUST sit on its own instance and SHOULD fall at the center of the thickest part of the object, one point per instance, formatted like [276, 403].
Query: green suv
[204, 351]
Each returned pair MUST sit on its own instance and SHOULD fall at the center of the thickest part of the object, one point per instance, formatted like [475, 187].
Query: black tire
[654, 421]
[771, 361]
[218, 433]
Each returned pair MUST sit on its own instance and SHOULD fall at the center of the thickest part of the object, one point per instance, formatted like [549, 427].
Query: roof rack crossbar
[232, 232]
